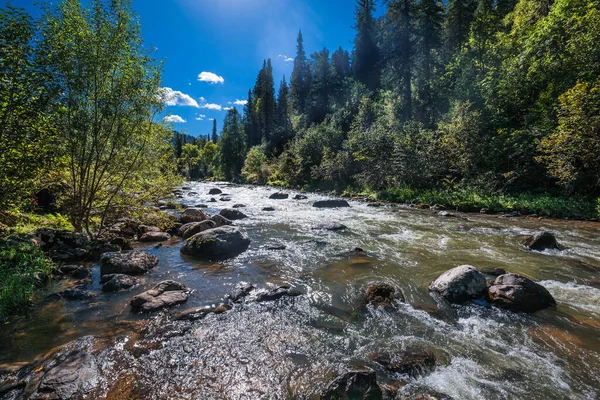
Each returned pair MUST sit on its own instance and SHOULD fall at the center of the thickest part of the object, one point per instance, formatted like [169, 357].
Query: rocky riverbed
[281, 295]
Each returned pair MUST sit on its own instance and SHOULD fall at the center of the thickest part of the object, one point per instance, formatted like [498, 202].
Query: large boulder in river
[218, 243]
[132, 262]
[165, 294]
[232, 214]
[462, 283]
[381, 294]
[118, 282]
[65, 245]
[197, 227]
[517, 293]
[331, 203]
[192, 215]
[542, 241]
[70, 378]
[214, 191]
[279, 196]
[360, 384]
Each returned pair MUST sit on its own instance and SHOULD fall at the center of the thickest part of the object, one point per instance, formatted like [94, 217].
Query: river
[292, 347]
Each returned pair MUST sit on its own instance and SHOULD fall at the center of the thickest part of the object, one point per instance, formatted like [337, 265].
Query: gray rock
[214, 191]
[517, 293]
[382, 294]
[232, 214]
[197, 227]
[131, 262]
[118, 282]
[78, 293]
[155, 237]
[145, 228]
[331, 203]
[422, 393]
[300, 197]
[76, 271]
[412, 362]
[542, 241]
[218, 243]
[239, 206]
[263, 295]
[461, 283]
[64, 245]
[240, 292]
[194, 314]
[330, 226]
[279, 196]
[165, 294]
[192, 215]
[73, 378]
[268, 208]
[220, 220]
[359, 384]
[122, 243]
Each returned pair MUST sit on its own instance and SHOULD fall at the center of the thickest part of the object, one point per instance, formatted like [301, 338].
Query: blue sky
[228, 41]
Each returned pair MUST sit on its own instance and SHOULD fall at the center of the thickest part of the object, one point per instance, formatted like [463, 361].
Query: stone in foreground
[542, 241]
[131, 262]
[459, 284]
[165, 294]
[218, 243]
[357, 384]
[382, 294]
[331, 203]
[197, 227]
[73, 378]
[118, 282]
[517, 293]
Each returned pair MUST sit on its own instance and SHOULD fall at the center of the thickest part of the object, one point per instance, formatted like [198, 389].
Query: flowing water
[293, 347]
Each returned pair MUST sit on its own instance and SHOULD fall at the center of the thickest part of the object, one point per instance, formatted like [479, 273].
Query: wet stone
[218, 243]
[422, 394]
[197, 313]
[461, 283]
[240, 292]
[279, 196]
[197, 227]
[118, 282]
[268, 208]
[220, 220]
[357, 384]
[78, 293]
[542, 241]
[331, 203]
[232, 214]
[155, 237]
[192, 215]
[165, 294]
[517, 293]
[300, 197]
[382, 294]
[127, 262]
[75, 271]
[331, 226]
[214, 191]
[73, 378]
[412, 362]
[239, 206]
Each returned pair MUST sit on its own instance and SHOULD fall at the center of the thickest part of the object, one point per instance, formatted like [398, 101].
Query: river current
[292, 347]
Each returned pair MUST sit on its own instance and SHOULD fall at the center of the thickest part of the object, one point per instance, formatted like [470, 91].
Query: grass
[469, 200]
[27, 223]
[22, 267]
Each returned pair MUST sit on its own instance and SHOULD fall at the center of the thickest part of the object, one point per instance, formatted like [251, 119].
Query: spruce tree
[366, 63]
[250, 122]
[232, 146]
[318, 106]
[458, 22]
[214, 138]
[301, 77]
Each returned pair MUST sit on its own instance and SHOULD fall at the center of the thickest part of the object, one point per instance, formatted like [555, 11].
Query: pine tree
[366, 54]
[399, 54]
[214, 138]
[250, 123]
[283, 131]
[340, 61]
[232, 146]
[301, 78]
[264, 103]
[457, 25]
[318, 105]
[429, 19]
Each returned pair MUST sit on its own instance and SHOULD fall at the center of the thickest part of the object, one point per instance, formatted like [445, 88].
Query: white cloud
[238, 102]
[175, 119]
[212, 106]
[285, 58]
[202, 100]
[210, 77]
[172, 97]
[227, 108]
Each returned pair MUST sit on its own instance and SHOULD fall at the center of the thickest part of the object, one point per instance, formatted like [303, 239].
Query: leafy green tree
[232, 148]
[366, 58]
[255, 167]
[572, 152]
[109, 100]
[190, 158]
[27, 134]
[301, 77]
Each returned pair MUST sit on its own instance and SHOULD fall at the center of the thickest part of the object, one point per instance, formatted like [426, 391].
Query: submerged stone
[517, 293]
[131, 262]
[412, 362]
[542, 241]
[331, 203]
[165, 294]
[279, 196]
[118, 282]
[382, 294]
[356, 384]
[232, 214]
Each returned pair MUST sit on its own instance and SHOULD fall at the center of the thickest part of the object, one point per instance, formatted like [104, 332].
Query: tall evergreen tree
[318, 105]
[264, 102]
[250, 123]
[215, 137]
[399, 50]
[301, 77]
[283, 131]
[233, 145]
[457, 25]
[340, 61]
[366, 63]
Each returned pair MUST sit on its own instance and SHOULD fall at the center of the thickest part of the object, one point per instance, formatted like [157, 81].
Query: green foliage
[232, 147]
[22, 267]
[26, 223]
[255, 167]
[572, 152]
[109, 89]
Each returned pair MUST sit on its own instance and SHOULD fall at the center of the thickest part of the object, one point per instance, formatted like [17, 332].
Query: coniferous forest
[456, 102]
